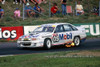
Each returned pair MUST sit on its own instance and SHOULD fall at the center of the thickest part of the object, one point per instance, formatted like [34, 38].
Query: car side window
[74, 28]
[67, 27]
[59, 28]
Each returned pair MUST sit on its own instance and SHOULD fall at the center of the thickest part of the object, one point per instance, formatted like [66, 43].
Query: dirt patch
[84, 53]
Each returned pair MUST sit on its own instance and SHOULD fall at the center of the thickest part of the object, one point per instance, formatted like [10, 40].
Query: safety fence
[89, 6]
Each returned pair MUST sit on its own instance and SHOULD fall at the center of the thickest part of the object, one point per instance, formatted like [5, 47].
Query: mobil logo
[65, 36]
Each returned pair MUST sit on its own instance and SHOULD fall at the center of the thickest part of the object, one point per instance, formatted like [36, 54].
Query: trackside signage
[11, 33]
[28, 29]
[92, 29]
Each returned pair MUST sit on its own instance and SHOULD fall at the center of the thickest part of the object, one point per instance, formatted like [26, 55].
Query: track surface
[10, 48]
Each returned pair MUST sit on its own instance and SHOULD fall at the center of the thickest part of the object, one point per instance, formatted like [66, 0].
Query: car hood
[36, 34]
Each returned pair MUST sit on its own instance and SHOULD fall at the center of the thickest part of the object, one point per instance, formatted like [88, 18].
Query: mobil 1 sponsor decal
[92, 29]
[11, 33]
[65, 36]
[57, 37]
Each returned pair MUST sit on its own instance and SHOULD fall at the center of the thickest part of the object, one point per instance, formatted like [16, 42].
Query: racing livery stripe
[63, 43]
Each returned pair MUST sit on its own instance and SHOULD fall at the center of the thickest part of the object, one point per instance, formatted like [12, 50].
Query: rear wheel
[77, 41]
[47, 44]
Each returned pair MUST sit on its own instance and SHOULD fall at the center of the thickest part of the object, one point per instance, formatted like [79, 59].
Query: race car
[48, 35]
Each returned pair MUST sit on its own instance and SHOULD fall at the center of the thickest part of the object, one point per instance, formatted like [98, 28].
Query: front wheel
[47, 44]
[77, 41]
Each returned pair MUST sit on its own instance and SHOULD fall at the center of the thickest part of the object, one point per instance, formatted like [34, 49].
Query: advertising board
[11, 33]
[28, 29]
[92, 29]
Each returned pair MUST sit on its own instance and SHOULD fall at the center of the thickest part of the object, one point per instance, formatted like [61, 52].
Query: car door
[75, 31]
[71, 31]
[58, 35]
[68, 34]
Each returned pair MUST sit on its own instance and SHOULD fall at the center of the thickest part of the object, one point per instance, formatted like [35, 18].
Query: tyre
[47, 44]
[77, 41]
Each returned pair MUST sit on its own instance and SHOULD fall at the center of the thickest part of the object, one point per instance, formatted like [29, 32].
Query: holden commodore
[48, 35]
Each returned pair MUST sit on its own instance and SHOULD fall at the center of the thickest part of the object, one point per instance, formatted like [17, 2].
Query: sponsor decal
[65, 36]
[35, 35]
[26, 36]
[11, 33]
[48, 25]
[57, 37]
[48, 36]
[29, 36]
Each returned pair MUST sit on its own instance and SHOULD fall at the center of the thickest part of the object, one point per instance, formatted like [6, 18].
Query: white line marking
[5, 55]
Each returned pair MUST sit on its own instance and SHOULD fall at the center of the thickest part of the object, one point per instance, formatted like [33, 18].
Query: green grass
[9, 8]
[41, 60]
[44, 20]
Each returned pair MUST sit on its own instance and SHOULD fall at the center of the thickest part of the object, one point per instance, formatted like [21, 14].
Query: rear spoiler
[80, 27]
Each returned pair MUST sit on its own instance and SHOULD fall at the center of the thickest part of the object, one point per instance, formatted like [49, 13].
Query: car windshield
[44, 29]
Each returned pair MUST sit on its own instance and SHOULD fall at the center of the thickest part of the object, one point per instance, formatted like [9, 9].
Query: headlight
[34, 39]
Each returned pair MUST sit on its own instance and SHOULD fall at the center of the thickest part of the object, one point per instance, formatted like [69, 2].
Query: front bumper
[30, 44]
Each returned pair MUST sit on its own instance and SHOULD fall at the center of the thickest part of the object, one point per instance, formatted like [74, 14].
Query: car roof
[55, 24]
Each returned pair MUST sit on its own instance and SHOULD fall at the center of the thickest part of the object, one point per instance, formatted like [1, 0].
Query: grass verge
[55, 59]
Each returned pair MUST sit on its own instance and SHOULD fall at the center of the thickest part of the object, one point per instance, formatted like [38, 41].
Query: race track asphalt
[10, 48]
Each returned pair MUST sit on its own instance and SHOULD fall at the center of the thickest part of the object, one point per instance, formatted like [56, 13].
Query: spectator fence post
[99, 7]
[66, 10]
[75, 7]
[49, 9]
[23, 12]
[16, 2]
[73, 12]
[20, 2]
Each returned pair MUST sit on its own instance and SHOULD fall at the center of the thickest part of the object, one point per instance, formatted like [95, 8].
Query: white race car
[48, 35]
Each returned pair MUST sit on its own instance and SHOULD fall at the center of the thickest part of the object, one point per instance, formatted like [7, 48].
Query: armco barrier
[13, 33]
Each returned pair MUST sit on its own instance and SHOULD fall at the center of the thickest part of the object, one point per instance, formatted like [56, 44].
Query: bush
[8, 18]
[9, 0]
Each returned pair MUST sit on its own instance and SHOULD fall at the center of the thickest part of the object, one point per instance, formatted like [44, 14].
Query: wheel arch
[77, 36]
[45, 45]
[79, 39]
[47, 38]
